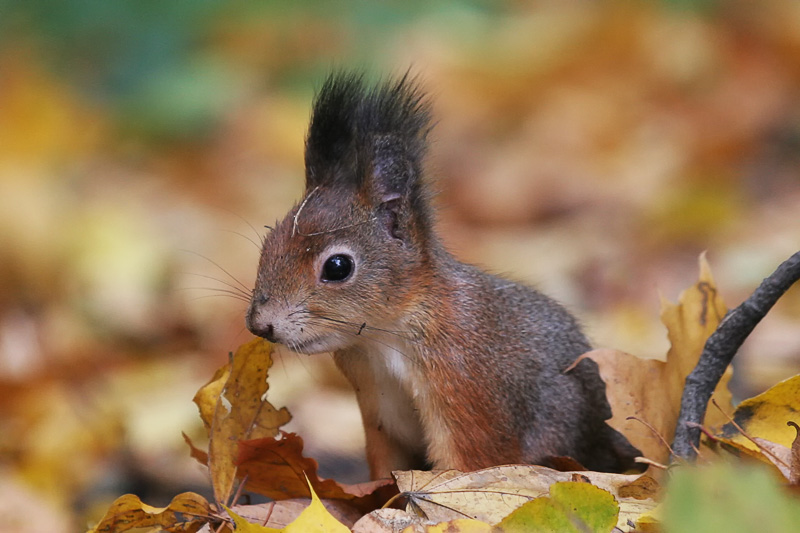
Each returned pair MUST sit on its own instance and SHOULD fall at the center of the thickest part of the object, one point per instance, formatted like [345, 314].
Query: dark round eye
[337, 268]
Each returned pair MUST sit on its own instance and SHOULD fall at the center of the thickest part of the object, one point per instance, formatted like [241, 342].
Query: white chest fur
[393, 366]
[405, 406]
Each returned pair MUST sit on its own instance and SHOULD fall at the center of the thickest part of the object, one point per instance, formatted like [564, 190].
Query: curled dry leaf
[778, 455]
[240, 411]
[186, 513]
[650, 390]
[794, 475]
[196, 453]
[491, 494]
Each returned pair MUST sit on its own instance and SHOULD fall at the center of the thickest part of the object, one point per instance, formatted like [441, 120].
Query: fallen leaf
[245, 526]
[196, 453]
[461, 525]
[776, 454]
[786, 460]
[642, 488]
[186, 512]
[491, 494]
[241, 412]
[314, 519]
[571, 507]
[280, 514]
[690, 323]
[207, 397]
[766, 414]
[387, 520]
[650, 390]
[794, 477]
[276, 468]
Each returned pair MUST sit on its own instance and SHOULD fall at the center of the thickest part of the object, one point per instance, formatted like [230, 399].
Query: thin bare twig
[719, 351]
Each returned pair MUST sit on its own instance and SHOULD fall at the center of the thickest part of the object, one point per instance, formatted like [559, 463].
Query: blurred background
[594, 149]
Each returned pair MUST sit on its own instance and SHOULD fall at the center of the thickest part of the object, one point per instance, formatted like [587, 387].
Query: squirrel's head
[349, 258]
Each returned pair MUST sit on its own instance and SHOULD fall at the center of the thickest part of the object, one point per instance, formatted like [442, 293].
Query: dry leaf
[387, 520]
[277, 469]
[280, 514]
[770, 434]
[196, 453]
[794, 476]
[245, 526]
[186, 512]
[207, 397]
[650, 390]
[461, 525]
[776, 454]
[314, 519]
[765, 415]
[491, 494]
[241, 412]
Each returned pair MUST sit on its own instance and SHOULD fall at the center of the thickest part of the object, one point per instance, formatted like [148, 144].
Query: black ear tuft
[331, 134]
[368, 137]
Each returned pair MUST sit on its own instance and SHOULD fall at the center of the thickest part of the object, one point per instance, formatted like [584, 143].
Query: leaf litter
[246, 444]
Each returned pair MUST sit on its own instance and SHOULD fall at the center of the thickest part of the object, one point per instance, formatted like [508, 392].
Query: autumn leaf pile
[248, 452]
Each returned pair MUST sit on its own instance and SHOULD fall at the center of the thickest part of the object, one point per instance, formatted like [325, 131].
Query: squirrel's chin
[315, 346]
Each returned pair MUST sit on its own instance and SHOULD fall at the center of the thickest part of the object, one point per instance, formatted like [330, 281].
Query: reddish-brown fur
[452, 367]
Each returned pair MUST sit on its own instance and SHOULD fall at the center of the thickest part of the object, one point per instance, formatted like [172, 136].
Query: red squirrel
[452, 367]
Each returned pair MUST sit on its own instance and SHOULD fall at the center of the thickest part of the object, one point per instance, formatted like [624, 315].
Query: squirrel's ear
[395, 184]
[370, 140]
[394, 169]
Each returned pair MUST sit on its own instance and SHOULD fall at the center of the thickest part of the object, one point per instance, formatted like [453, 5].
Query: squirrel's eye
[337, 268]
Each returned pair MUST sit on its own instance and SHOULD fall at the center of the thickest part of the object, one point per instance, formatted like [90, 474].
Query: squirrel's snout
[259, 325]
[267, 332]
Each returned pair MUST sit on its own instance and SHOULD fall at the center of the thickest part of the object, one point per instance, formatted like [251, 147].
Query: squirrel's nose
[266, 331]
[257, 324]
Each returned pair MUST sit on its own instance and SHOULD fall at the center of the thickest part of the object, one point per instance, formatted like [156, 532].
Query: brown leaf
[196, 453]
[650, 390]
[276, 468]
[186, 513]
[794, 477]
[241, 412]
[778, 455]
[641, 489]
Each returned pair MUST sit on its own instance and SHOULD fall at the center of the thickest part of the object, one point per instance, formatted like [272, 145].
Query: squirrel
[453, 368]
